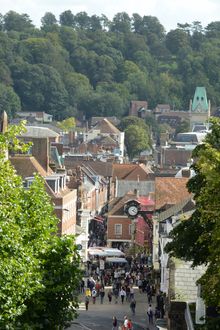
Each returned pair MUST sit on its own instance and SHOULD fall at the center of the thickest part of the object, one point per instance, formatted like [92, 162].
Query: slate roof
[132, 172]
[42, 132]
[27, 166]
[170, 191]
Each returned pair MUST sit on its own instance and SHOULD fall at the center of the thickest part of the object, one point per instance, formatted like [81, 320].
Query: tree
[67, 18]
[67, 124]
[136, 140]
[95, 23]
[82, 20]
[132, 120]
[103, 104]
[176, 40]
[16, 22]
[68, 38]
[121, 23]
[9, 101]
[184, 126]
[41, 87]
[48, 20]
[197, 239]
[78, 87]
[39, 271]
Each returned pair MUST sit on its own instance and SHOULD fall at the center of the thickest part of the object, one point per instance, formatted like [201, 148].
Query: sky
[169, 12]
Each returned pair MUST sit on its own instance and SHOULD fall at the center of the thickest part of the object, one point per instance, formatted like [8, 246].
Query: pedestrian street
[99, 316]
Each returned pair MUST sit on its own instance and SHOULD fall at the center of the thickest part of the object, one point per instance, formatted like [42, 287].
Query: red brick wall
[125, 228]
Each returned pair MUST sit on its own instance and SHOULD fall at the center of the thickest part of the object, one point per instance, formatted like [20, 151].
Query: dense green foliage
[137, 135]
[39, 271]
[95, 66]
[197, 239]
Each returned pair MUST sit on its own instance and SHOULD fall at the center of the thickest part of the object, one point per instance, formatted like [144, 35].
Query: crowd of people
[121, 282]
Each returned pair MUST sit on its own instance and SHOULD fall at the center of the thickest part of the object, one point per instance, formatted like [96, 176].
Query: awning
[114, 252]
[116, 260]
[97, 252]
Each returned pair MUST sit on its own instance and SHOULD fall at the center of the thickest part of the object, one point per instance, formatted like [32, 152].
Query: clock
[132, 210]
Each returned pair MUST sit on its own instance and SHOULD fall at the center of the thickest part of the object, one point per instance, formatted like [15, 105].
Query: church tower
[199, 111]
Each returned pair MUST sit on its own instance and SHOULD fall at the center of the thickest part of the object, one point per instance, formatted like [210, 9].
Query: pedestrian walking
[150, 314]
[139, 283]
[128, 296]
[131, 292]
[157, 313]
[114, 323]
[102, 294]
[122, 295]
[149, 297]
[133, 306]
[94, 294]
[125, 325]
[129, 325]
[87, 302]
[116, 295]
[110, 296]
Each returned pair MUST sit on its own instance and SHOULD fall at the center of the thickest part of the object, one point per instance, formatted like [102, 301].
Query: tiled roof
[131, 172]
[114, 120]
[170, 191]
[101, 168]
[106, 140]
[175, 209]
[106, 127]
[27, 166]
[116, 206]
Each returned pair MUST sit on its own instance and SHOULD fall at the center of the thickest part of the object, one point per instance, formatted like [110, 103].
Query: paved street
[99, 316]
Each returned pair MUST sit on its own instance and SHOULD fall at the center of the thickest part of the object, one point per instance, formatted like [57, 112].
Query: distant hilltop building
[138, 108]
[33, 116]
[199, 110]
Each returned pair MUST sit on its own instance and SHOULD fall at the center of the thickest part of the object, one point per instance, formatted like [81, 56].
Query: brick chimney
[40, 150]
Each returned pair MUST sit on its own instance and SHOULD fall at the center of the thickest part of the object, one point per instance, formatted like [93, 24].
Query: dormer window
[53, 182]
[28, 182]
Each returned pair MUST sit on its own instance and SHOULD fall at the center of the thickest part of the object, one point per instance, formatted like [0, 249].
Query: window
[118, 229]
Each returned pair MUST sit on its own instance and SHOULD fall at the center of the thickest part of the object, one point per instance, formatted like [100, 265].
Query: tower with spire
[199, 110]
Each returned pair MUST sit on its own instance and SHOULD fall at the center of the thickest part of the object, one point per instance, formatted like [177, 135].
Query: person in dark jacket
[102, 294]
[133, 306]
[114, 323]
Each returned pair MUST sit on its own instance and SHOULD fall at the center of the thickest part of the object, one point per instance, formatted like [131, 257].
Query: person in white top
[150, 314]
[132, 292]
[126, 322]
[122, 294]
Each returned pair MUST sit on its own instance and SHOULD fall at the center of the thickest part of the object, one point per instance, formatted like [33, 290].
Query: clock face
[133, 210]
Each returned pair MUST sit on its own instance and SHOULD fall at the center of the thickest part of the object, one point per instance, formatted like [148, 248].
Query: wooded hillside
[95, 66]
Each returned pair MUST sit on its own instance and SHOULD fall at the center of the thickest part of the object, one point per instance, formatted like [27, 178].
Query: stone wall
[184, 280]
